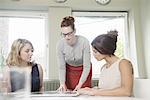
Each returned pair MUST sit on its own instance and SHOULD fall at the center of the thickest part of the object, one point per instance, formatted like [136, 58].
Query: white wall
[145, 23]
[133, 6]
[120, 5]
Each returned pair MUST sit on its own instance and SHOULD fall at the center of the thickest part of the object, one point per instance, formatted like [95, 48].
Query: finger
[60, 89]
[75, 89]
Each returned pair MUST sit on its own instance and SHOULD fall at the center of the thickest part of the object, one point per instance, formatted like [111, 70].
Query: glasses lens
[67, 34]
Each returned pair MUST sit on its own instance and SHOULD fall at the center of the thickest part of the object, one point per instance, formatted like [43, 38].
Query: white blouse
[110, 77]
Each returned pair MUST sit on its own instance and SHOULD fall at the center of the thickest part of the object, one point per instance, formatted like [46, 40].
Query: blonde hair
[13, 58]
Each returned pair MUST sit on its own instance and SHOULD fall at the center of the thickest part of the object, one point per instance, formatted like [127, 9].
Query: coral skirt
[73, 74]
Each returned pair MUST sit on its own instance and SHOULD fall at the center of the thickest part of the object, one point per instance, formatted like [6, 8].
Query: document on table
[55, 94]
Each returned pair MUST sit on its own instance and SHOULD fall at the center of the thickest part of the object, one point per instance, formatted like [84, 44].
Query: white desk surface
[81, 97]
[86, 98]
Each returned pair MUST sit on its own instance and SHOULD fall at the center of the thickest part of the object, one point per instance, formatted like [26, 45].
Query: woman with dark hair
[116, 78]
[73, 51]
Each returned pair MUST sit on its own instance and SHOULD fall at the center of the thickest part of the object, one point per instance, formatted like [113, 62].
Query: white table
[86, 98]
[81, 97]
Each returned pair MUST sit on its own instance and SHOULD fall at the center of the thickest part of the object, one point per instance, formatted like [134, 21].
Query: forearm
[42, 88]
[86, 62]
[122, 91]
[84, 75]
[62, 76]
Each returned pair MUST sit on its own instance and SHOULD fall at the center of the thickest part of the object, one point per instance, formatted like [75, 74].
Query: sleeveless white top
[110, 77]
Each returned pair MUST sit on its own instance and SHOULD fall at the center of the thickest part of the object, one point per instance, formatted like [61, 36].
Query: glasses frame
[67, 34]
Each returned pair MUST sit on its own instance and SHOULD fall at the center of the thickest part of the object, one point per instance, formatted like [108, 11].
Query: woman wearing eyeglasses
[75, 69]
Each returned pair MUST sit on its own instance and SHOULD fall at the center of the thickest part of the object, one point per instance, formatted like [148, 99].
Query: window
[92, 24]
[27, 25]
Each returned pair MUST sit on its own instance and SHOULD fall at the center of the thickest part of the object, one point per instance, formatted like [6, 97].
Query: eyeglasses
[65, 34]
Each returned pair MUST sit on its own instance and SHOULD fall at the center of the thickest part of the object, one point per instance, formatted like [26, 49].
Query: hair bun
[113, 33]
[69, 18]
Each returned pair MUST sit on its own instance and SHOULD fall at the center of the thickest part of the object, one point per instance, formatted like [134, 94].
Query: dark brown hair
[106, 43]
[68, 21]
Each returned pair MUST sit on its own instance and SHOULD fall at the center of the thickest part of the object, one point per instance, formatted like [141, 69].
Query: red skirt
[73, 75]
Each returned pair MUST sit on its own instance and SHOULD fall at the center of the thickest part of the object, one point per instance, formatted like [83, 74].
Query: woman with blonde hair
[20, 56]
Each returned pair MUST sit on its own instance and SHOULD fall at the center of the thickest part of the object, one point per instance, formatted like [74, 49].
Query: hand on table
[78, 87]
[86, 90]
[62, 88]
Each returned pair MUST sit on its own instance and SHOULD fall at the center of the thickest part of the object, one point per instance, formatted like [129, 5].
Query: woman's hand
[62, 88]
[86, 91]
[78, 87]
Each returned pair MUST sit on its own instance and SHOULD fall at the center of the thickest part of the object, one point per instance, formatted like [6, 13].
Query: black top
[35, 80]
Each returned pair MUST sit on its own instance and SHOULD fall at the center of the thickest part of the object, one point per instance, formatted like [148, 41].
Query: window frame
[33, 14]
[127, 49]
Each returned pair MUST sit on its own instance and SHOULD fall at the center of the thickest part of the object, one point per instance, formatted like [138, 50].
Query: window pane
[30, 28]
